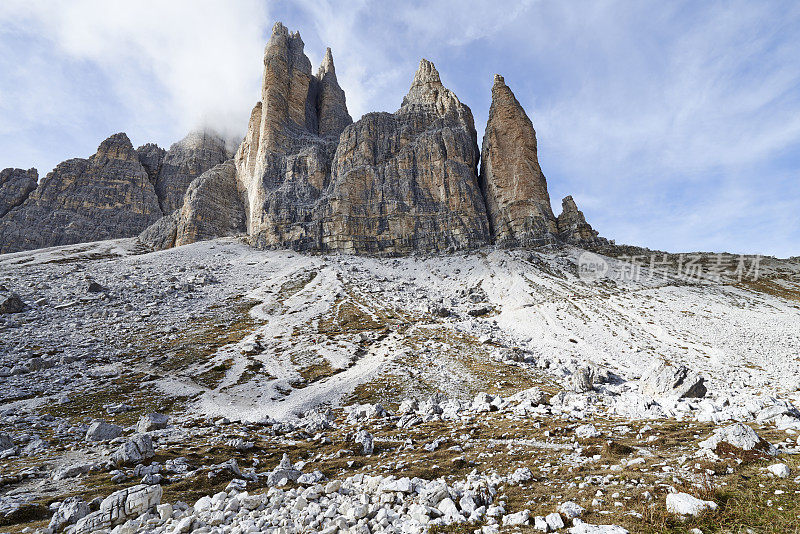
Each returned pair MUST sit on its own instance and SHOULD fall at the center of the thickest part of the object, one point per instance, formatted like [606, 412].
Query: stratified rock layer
[183, 162]
[573, 228]
[15, 186]
[108, 195]
[515, 189]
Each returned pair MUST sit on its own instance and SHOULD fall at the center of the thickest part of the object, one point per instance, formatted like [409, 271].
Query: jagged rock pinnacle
[331, 105]
[513, 184]
[327, 66]
[572, 225]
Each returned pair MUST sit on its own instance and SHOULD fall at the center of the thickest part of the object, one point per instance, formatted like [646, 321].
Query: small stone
[779, 470]
[685, 504]
[554, 521]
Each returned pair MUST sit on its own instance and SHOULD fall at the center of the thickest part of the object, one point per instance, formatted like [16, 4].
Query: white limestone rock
[685, 504]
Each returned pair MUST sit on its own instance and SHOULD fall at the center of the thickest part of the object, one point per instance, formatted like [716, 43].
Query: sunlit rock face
[390, 183]
[513, 184]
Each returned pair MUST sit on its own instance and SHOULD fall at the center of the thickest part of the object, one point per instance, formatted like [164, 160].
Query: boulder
[102, 431]
[366, 441]
[284, 471]
[72, 470]
[69, 512]
[134, 450]
[685, 504]
[580, 381]
[663, 380]
[119, 507]
[6, 442]
[580, 527]
[517, 519]
[151, 421]
[740, 436]
[10, 303]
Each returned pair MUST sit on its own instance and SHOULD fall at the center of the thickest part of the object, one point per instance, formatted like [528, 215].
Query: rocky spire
[331, 105]
[572, 225]
[427, 92]
[407, 180]
[426, 85]
[285, 90]
[513, 184]
[15, 186]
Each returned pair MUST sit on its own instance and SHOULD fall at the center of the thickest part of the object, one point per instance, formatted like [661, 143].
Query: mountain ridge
[309, 178]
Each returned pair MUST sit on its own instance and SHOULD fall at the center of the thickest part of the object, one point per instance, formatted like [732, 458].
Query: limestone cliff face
[515, 189]
[108, 195]
[573, 228]
[183, 162]
[212, 206]
[390, 183]
[284, 161]
[15, 186]
[408, 180]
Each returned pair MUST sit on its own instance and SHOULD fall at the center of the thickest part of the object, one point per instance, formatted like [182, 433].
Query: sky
[674, 125]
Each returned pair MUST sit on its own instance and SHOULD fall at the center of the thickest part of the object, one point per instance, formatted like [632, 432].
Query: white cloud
[191, 61]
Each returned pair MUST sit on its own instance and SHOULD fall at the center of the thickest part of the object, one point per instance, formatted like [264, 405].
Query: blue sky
[675, 125]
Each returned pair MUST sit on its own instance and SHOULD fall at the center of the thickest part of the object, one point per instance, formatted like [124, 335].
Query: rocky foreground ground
[218, 388]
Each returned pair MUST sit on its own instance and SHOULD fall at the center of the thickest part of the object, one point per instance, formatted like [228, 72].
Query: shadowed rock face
[183, 162]
[212, 206]
[108, 195]
[15, 186]
[573, 228]
[151, 156]
[515, 189]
